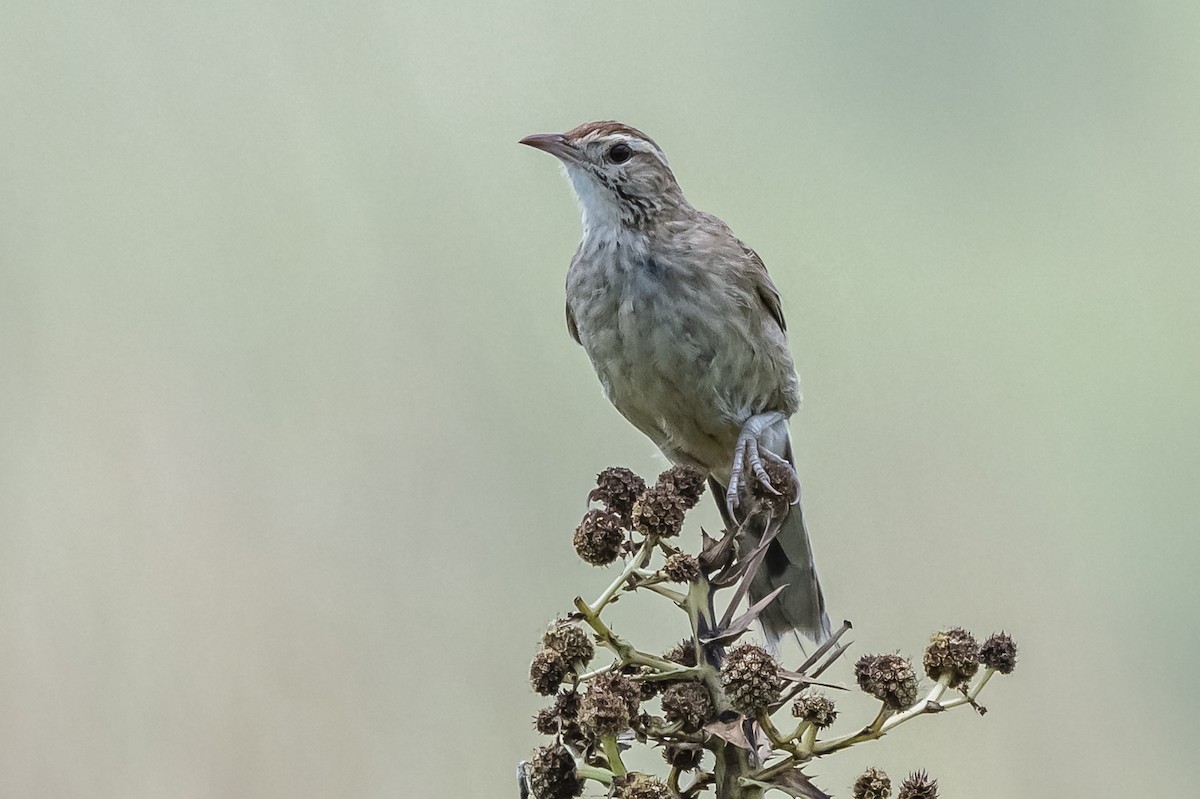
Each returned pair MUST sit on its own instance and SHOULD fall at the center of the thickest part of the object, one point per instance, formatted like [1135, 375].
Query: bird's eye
[619, 153]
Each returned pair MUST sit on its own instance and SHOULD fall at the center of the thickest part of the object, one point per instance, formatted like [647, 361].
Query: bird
[686, 333]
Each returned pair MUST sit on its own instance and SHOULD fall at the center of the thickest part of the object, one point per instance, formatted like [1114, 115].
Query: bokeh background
[293, 440]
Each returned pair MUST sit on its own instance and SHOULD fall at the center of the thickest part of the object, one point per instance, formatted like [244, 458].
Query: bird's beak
[554, 143]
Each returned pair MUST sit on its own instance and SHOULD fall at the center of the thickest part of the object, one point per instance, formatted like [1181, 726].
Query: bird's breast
[674, 348]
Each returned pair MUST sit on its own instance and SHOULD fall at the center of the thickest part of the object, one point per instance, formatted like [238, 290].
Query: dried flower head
[750, 677]
[683, 653]
[999, 652]
[570, 641]
[659, 511]
[599, 537]
[642, 786]
[552, 774]
[546, 721]
[610, 704]
[952, 654]
[873, 784]
[618, 488]
[689, 704]
[815, 708]
[684, 757]
[918, 786]
[783, 479]
[648, 689]
[547, 672]
[682, 568]
[566, 707]
[889, 678]
[687, 483]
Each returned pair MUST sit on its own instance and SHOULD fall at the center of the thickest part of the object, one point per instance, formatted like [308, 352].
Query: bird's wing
[757, 272]
[572, 328]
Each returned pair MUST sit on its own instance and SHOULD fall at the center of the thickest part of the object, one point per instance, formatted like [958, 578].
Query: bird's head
[620, 175]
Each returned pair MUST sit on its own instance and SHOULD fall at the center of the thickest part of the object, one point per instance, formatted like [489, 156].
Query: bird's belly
[678, 378]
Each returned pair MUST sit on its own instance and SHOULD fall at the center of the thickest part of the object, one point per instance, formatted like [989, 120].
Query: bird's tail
[799, 608]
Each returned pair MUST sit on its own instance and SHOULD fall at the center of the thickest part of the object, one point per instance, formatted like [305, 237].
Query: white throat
[600, 212]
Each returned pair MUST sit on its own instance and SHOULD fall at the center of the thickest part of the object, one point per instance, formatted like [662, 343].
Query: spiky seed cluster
[599, 537]
[783, 479]
[552, 774]
[547, 672]
[659, 511]
[873, 784]
[684, 757]
[609, 705]
[642, 786]
[559, 717]
[952, 654]
[918, 786]
[689, 704]
[570, 641]
[815, 708]
[688, 484]
[618, 488]
[546, 721]
[683, 653]
[750, 677]
[889, 678]
[999, 652]
[682, 568]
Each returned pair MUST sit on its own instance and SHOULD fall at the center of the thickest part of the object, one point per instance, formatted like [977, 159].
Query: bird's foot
[749, 453]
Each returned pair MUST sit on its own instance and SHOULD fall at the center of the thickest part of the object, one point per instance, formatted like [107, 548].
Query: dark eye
[619, 153]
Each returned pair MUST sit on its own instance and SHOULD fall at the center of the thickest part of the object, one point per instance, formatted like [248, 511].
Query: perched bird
[685, 331]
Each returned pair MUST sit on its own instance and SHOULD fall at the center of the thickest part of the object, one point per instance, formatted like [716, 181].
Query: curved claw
[748, 452]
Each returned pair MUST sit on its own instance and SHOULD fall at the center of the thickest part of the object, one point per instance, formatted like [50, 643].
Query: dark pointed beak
[554, 143]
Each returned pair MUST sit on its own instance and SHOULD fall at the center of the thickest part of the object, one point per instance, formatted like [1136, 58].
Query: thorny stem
[622, 648]
[596, 773]
[777, 740]
[636, 562]
[885, 723]
[612, 753]
[969, 697]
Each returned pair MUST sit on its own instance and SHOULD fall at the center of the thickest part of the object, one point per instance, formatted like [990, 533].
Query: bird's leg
[749, 452]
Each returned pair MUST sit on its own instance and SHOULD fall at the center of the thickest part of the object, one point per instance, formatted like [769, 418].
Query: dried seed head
[566, 707]
[687, 483]
[952, 654]
[750, 677]
[659, 512]
[999, 652]
[873, 784]
[609, 705]
[570, 641]
[547, 671]
[642, 786]
[618, 488]
[546, 721]
[918, 786]
[815, 708]
[889, 678]
[783, 479]
[682, 568]
[684, 757]
[683, 653]
[648, 689]
[599, 537]
[552, 774]
[688, 703]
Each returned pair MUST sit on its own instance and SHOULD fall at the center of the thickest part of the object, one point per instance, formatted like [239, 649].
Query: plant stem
[612, 753]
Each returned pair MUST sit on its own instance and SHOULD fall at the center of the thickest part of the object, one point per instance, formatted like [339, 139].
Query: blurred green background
[293, 439]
